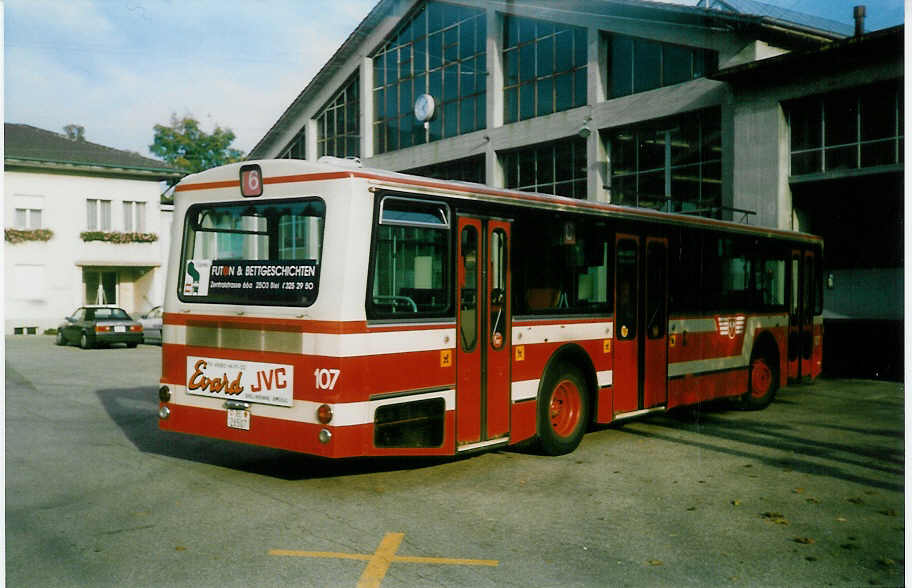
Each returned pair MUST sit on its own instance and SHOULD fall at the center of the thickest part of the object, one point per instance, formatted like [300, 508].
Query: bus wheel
[563, 411]
[763, 381]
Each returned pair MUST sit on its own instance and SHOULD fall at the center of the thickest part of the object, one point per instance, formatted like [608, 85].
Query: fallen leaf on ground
[804, 540]
[775, 517]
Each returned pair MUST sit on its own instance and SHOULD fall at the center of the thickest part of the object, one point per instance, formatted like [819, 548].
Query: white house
[83, 224]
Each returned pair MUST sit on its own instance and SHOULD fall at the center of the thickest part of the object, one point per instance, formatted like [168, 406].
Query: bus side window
[563, 266]
[410, 274]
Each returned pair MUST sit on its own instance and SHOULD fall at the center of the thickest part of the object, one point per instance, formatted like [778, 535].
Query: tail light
[136, 328]
[103, 328]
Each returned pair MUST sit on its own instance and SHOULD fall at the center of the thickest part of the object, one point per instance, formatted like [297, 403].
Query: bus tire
[563, 410]
[762, 382]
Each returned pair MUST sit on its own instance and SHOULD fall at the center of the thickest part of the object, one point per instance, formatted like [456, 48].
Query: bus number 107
[325, 379]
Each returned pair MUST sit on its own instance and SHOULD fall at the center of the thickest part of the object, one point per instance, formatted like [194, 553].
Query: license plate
[239, 419]
[120, 329]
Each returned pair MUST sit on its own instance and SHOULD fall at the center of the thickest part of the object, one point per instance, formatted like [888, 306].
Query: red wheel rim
[565, 407]
[761, 378]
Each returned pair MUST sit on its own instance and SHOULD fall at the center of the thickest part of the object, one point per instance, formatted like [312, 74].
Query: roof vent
[350, 162]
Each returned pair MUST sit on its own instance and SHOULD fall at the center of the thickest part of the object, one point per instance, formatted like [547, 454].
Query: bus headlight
[164, 394]
[164, 412]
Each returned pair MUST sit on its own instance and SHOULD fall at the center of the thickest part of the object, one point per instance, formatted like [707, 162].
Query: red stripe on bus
[353, 441]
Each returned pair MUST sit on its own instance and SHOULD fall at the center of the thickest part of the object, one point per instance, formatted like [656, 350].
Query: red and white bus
[340, 311]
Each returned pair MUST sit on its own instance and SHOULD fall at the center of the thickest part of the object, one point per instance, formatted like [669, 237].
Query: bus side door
[483, 349]
[801, 315]
[640, 372]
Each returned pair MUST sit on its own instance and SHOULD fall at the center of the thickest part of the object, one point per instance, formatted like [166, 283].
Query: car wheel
[84, 341]
[60, 340]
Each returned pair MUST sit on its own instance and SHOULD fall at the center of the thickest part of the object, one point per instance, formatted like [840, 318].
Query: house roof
[788, 27]
[31, 147]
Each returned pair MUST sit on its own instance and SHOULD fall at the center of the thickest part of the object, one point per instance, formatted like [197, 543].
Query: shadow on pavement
[846, 455]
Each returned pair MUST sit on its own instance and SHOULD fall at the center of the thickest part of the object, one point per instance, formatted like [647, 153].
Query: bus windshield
[253, 253]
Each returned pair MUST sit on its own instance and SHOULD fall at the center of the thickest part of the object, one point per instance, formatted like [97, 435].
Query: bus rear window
[252, 253]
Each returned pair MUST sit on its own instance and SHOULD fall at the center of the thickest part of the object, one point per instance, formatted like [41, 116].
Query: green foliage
[118, 237]
[186, 146]
[75, 132]
[20, 235]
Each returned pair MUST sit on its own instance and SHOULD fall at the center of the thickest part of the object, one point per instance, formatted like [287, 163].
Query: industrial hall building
[734, 109]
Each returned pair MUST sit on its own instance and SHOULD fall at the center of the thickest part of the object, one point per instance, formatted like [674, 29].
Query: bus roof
[277, 171]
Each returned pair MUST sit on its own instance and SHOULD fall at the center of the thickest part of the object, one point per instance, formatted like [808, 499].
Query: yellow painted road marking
[325, 554]
[379, 564]
[379, 561]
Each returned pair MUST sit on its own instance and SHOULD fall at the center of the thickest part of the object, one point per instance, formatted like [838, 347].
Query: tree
[75, 132]
[186, 146]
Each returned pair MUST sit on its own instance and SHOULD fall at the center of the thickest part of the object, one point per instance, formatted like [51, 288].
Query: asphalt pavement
[809, 492]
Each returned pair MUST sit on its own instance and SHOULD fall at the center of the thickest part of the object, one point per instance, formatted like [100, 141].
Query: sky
[119, 67]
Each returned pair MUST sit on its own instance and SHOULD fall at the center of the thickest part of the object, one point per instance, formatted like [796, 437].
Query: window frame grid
[345, 102]
[704, 202]
[535, 84]
[824, 150]
[577, 183]
[405, 67]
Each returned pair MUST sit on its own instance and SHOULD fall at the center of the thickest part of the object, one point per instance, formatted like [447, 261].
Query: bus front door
[801, 315]
[640, 371]
[483, 349]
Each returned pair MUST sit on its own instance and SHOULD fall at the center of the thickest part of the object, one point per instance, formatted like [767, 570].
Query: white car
[152, 325]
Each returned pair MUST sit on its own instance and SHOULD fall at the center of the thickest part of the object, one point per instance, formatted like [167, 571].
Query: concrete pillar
[493, 94]
[366, 108]
[761, 163]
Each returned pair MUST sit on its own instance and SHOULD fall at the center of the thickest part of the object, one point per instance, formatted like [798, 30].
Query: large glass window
[265, 253]
[297, 148]
[554, 168]
[439, 51]
[338, 123]
[859, 128]
[470, 169]
[671, 164]
[410, 273]
[544, 67]
[637, 65]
